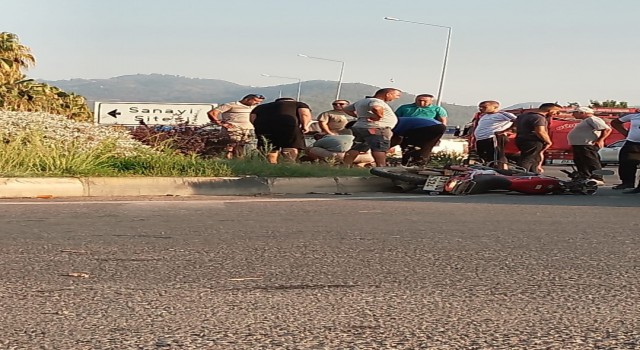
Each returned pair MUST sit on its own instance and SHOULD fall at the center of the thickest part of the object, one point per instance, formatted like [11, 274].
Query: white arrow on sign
[135, 113]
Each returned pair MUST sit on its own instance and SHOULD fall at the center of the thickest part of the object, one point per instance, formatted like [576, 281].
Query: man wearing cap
[586, 138]
[629, 157]
[236, 126]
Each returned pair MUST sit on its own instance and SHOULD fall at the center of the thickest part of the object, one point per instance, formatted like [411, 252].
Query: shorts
[325, 153]
[376, 140]
[276, 140]
[238, 135]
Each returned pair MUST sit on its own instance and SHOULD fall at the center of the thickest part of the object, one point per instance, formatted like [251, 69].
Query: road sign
[132, 113]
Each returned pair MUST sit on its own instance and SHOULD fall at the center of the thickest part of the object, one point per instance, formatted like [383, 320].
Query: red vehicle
[560, 152]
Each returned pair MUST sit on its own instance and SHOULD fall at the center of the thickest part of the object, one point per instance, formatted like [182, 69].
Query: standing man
[280, 127]
[490, 133]
[234, 119]
[532, 135]
[333, 121]
[586, 138]
[372, 130]
[629, 157]
[423, 108]
[417, 137]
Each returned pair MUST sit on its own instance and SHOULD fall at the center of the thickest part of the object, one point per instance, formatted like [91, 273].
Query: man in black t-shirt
[280, 127]
[532, 135]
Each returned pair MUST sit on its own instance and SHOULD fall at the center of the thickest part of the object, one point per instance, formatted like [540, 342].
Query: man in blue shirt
[417, 137]
[423, 108]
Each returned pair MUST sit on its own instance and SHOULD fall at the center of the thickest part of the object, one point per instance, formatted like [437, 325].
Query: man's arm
[304, 118]
[543, 134]
[603, 135]
[377, 111]
[323, 122]
[214, 116]
[618, 125]
[442, 115]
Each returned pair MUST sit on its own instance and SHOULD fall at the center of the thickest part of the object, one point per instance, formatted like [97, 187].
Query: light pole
[278, 76]
[446, 52]
[341, 70]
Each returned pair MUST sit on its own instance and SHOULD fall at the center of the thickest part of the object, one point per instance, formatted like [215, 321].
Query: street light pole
[446, 52]
[278, 76]
[332, 60]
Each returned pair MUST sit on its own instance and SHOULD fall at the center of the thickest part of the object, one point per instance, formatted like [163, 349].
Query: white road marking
[226, 200]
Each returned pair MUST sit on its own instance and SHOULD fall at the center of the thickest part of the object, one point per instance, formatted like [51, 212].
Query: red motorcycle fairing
[482, 183]
[535, 184]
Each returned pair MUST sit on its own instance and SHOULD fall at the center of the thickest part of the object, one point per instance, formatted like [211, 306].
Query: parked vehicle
[609, 154]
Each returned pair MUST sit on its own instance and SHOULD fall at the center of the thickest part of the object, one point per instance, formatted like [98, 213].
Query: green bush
[29, 154]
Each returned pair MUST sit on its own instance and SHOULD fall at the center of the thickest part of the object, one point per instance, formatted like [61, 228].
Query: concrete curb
[184, 186]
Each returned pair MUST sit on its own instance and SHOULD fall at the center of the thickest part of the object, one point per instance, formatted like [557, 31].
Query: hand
[227, 125]
[599, 144]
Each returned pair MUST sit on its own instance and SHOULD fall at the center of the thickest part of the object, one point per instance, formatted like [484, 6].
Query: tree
[14, 57]
[20, 94]
[608, 104]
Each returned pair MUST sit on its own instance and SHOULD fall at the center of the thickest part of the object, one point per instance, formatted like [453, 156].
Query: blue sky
[510, 50]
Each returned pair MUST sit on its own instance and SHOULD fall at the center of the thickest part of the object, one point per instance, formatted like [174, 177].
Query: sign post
[133, 113]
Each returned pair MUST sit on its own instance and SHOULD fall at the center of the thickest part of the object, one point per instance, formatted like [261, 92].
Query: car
[609, 153]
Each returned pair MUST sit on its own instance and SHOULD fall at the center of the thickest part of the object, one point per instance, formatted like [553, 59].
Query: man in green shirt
[423, 108]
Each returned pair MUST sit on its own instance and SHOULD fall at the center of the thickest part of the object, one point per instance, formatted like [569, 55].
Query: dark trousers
[587, 160]
[418, 143]
[629, 159]
[530, 154]
[492, 149]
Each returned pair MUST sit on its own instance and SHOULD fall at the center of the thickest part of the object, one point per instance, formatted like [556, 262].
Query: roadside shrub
[186, 139]
[444, 158]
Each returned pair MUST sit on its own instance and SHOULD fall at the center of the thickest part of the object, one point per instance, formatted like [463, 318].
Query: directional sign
[132, 113]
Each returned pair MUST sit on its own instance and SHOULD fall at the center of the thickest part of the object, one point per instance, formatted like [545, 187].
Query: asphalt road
[377, 271]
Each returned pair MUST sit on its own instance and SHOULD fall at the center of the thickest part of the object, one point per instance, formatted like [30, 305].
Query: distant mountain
[177, 89]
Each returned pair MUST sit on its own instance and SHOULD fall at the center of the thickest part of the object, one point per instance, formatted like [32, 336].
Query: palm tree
[14, 57]
[20, 94]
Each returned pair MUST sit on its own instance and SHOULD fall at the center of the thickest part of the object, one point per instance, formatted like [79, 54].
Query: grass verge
[32, 155]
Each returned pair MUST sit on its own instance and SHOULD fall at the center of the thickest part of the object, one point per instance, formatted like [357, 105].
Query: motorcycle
[478, 178]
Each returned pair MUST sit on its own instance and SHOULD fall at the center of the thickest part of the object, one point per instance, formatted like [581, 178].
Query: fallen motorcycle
[476, 178]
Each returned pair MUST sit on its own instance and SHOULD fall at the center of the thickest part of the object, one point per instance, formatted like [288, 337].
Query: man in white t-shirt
[586, 138]
[490, 133]
[629, 157]
[372, 129]
[236, 126]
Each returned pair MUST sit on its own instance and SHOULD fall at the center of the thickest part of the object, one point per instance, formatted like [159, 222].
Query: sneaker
[622, 187]
[633, 191]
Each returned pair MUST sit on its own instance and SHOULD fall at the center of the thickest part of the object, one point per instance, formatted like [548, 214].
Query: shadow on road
[606, 197]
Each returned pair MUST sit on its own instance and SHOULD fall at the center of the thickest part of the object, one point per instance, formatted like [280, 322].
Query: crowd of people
[354, 134]
[363, 132]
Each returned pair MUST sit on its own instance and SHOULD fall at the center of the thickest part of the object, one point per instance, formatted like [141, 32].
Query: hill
[175, 89]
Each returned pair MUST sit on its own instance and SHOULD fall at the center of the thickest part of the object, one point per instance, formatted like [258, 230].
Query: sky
[512, 51]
